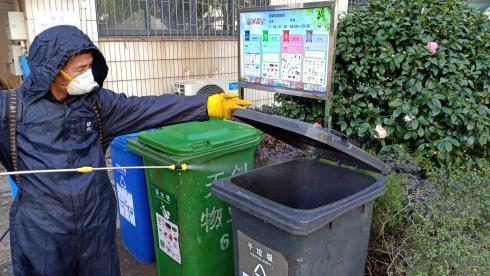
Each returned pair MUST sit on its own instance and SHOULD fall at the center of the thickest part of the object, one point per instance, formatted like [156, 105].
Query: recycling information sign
[287, 50]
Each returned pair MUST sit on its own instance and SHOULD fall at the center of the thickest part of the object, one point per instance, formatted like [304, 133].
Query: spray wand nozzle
[182, 167]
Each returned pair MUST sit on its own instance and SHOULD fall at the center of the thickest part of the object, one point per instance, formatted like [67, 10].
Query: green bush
[455, 238]
[384, 75]
[435, 227]
[388, 228]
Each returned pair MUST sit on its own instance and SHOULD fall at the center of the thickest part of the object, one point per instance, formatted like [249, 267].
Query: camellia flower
[408, 118]
[381, 132]
[432, 47]
[318, 125]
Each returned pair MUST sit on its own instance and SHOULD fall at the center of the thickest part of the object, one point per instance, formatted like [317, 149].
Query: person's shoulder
[104, 95]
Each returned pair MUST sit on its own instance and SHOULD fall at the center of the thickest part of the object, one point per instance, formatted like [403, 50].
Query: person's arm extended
[122, 114]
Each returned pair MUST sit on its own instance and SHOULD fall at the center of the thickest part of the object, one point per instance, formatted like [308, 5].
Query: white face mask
[82, 84]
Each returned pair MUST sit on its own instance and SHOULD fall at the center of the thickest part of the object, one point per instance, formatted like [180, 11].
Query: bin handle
[201, 144]
[337, 135]
[340, 134]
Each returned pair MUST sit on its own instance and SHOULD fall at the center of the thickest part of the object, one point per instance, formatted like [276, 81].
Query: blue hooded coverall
[65, 223]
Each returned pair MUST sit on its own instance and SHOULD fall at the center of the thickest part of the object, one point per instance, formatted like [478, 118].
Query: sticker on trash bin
[257, 259]
[125, 200]
[168, 237]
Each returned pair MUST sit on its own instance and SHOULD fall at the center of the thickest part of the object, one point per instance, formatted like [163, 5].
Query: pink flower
[318, 125]
[381, 132]
[432, 47]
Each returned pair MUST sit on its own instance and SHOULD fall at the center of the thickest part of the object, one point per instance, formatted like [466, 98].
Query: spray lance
[87, 169]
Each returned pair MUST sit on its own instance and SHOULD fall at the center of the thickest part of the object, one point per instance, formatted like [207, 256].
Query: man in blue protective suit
[65, 223]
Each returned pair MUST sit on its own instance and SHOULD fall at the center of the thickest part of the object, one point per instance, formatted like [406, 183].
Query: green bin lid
[199, 137]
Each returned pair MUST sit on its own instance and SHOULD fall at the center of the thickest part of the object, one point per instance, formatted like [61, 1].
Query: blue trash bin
[13, 187]
[132, 201]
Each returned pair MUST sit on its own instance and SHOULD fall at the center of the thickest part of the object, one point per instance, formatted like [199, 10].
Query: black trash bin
[303, 217]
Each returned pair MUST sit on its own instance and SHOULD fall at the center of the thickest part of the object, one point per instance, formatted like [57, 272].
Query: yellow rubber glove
[222, 105]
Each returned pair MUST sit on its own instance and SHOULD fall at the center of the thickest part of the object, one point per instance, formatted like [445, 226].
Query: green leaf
[396, 113]
[454, 142]
[362, 130]
[414, 124]
[423, 121]
[442, 63]
[343, 126]
[446, 110]
[435, 112]
[471, 140]
[358, 70]
[454, 118]
[418, 85]
[439, 96]
[406, 107]
[436, 102]
[482, 140]
[448, 146]
[421, 132]
[399, 58]
[392, 66]
[395, 103]
[430, 85]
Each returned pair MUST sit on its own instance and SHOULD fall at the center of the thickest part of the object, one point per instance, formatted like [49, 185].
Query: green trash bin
[191, 227]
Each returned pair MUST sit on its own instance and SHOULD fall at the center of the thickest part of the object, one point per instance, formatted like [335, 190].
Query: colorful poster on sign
[293, 48]
[252, 57]
[292, 54]
[271, 59]
[314, 62]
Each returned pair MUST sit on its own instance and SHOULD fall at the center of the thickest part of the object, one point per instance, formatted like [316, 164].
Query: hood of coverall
[49, 52]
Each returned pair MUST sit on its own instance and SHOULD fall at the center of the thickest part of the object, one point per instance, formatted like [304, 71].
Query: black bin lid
[326, 143]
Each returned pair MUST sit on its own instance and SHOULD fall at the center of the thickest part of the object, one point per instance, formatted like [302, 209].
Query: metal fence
[170, 18]
[176, 18]
[357, 3]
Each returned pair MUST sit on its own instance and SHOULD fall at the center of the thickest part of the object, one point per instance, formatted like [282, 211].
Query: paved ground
[5, 200]
[129, 266]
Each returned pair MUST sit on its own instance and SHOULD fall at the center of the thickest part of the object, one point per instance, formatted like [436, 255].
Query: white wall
[150, 67]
